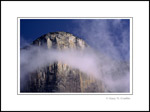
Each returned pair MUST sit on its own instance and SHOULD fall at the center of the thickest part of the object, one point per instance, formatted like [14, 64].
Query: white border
[131, 56]
[10, 10]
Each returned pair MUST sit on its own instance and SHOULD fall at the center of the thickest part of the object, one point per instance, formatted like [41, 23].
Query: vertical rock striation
[60, 77]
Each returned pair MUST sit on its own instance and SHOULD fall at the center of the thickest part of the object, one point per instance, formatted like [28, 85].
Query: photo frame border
[67, 93]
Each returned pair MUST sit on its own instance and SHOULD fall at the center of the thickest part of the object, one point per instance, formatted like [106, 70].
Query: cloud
[23, 42]
[40, 57]
[87, 61]
[110, 36]
[107, 61]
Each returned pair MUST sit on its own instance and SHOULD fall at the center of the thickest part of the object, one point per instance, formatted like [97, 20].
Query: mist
[111, 73]
[108, 60]
[108, 36]
[111, 39]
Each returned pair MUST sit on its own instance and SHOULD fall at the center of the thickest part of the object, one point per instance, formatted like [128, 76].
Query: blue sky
[110, 36]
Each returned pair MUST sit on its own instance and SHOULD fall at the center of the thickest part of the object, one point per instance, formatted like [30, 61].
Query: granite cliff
[60, 77]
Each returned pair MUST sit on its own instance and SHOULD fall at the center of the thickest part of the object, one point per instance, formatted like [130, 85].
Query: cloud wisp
[109, 61]
[87, 61]
[110, 36]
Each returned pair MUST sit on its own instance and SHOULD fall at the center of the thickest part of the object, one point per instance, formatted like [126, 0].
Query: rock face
[59, 77]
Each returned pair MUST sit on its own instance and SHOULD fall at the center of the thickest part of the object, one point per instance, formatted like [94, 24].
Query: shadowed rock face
[59, 77]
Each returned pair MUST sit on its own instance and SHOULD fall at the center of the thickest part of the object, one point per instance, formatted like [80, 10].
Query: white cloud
[87, 61]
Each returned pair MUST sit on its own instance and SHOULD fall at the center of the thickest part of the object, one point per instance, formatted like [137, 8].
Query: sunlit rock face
[59, 77]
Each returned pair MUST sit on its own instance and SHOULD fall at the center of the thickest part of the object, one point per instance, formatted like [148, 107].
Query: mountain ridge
[59, 77]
